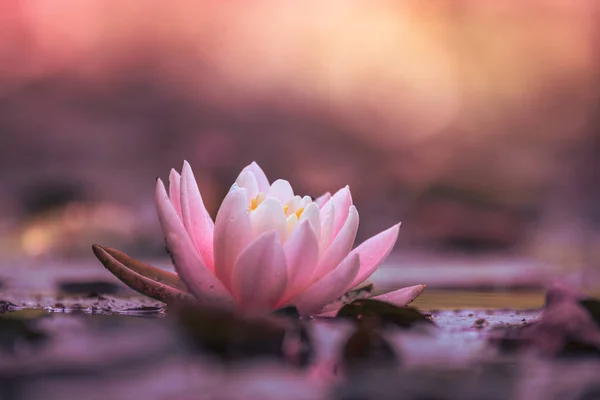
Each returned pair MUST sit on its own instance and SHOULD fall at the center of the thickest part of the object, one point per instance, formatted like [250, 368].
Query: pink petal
[340, 246]
[259, 275]
[282, 190]
[174, 190]
[261, 178]
[324, 198]
[342, 200]
[189, 266]
[301, 253]
[401, 297]
[232, 233]
[328, 289]
[327, 217]
[247, 180]
[269, 216]
[195, 217]
[311, 214]
[373, 252]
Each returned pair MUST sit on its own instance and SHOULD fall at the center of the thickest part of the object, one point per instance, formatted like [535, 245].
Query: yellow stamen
[253, 204]
[285, 208]
[299, 212]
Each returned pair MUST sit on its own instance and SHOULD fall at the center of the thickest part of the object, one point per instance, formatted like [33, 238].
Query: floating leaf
[366, 348]
[229, 336]
[403, 317]
[148, 280]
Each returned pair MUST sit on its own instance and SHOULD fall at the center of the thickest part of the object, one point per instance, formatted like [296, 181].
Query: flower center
[255, 202]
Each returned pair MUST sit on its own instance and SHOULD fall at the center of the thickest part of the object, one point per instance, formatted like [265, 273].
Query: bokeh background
[476, 123]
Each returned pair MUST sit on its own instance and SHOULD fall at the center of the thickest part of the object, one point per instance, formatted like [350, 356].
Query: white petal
[291, 223]
[233, 232]
[269, 216]
[189, 266]
[327, 216]
[282, 190]
[247, 180]
[311, 214]
[261, 178]
[294, 205]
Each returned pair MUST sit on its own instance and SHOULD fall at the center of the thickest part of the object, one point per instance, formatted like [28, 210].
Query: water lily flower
[267, 248]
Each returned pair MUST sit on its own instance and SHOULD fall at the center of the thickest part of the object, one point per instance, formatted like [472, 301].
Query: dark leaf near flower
[290, 311]
[228, 336]
[367, 349]
[403, 317]
[150, 281]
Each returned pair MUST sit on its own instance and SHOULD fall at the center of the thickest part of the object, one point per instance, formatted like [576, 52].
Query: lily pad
[366, 348]
[403, 317]
[228, 336]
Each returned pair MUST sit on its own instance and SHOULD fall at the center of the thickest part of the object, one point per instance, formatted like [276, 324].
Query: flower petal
[189, 266]
[326, 290]
[261, 178]
[282, 190]
[401, 297]
[247, 180]
[327, 217]
[301, 254]
[323, 199]
[233, 232]
[342, 200]
[295, 204]
[195, 217]
[259, 275]
[311, 214]
[373, 252]
[340, 246]
[175, 190]
[269, 216]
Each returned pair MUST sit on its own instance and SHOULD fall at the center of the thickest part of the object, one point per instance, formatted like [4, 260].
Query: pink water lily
[269, 248]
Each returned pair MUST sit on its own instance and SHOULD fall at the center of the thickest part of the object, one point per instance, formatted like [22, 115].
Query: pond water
[80, 334]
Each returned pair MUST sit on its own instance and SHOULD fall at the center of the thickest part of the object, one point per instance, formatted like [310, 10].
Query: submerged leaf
[143, 278]
[403, 317]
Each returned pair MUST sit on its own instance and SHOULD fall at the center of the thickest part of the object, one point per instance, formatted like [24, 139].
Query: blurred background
[477, 124]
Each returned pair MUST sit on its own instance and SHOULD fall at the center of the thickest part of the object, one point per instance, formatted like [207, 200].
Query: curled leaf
[143, 278]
